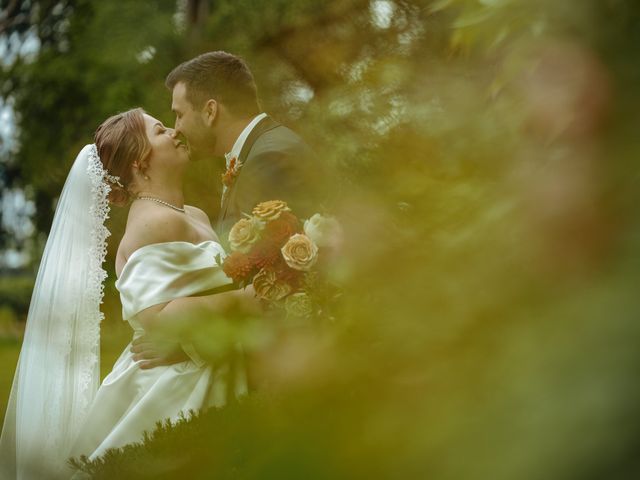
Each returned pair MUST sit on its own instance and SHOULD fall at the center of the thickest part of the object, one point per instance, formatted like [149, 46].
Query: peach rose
[269, 287]
[244, 234]
[270, 210]
[300, 252]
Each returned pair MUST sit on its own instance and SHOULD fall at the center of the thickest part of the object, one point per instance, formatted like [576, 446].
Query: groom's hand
[155, 353]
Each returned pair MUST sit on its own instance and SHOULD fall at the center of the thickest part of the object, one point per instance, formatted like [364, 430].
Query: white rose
[324, 231]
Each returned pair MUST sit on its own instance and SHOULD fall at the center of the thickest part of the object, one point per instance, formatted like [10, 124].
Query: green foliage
[15, 293]
[91, 73]
[239, 449]
[484, 162]
[9, 351]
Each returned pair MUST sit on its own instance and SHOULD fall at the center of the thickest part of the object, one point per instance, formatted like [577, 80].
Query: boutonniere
[233, 170]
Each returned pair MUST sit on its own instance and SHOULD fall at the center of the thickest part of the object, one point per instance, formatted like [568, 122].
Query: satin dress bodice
[131, 400]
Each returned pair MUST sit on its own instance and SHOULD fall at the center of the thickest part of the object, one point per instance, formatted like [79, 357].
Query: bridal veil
[58, 370]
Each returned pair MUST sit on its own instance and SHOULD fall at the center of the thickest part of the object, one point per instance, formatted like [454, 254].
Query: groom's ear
[210, 111]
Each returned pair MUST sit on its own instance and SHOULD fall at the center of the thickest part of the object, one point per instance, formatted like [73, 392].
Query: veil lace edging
[98, 214]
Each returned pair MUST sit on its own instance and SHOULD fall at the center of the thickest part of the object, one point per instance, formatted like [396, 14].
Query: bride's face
[166, 149]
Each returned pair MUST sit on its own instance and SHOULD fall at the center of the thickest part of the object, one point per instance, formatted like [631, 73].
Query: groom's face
[190, 122]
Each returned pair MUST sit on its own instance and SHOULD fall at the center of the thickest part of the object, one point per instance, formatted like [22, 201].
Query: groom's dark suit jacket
[276, 165]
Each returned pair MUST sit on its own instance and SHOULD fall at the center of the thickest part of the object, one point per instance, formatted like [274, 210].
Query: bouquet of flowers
[283, 257]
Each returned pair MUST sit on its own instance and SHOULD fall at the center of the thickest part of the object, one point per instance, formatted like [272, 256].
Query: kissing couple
[165, 265]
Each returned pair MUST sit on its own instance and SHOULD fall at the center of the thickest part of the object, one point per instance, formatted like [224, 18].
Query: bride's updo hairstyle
[121, 140]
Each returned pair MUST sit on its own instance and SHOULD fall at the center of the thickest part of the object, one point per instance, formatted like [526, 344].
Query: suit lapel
[266, 124]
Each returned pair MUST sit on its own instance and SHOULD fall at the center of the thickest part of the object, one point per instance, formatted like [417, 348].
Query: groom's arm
[152, 352]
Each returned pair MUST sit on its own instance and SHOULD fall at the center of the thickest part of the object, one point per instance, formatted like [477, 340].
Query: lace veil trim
[98, 214]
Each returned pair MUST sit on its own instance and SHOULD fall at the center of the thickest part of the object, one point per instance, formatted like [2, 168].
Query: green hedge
[15, 293]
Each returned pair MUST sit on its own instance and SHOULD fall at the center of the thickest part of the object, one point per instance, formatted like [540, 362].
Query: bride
[167, 256]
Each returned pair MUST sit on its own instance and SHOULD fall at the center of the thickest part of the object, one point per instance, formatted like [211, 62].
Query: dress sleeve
[162, 272]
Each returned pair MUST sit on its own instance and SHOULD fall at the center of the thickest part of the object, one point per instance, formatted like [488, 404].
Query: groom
[214, 98]
[217, 110]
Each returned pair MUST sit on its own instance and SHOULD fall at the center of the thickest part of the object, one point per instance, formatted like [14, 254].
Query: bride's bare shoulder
[149, 224]
[201, 222]
[197, 214]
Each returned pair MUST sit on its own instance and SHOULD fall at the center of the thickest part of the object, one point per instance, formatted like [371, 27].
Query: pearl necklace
[157, 200]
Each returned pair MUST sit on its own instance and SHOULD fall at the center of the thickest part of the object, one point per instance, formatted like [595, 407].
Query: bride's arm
[156, 225]
[182, 313]
[155, 349]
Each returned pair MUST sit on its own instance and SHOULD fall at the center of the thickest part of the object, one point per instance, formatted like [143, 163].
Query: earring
[138, 168]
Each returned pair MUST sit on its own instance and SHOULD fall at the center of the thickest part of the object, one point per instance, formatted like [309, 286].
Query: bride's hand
[155, 352]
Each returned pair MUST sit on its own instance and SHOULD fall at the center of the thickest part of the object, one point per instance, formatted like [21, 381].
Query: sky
[17, 208]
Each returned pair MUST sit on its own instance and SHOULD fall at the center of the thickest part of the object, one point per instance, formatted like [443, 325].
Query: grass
[9, 351]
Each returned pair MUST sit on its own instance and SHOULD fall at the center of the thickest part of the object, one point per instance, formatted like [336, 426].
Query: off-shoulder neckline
[157, 244]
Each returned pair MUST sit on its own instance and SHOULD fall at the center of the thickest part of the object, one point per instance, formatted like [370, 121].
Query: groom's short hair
[219, 75]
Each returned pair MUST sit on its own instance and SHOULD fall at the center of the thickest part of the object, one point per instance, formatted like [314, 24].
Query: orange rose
[265, 254]
[279, 231]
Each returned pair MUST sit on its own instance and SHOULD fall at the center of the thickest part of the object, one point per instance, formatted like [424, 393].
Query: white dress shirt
[237, 147]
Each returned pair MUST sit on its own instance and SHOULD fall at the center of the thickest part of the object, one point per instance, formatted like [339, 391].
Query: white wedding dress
[130, 400]
[57, 407]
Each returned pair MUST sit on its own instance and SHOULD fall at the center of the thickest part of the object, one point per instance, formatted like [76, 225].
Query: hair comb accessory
[113, 179]
[98, 169]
